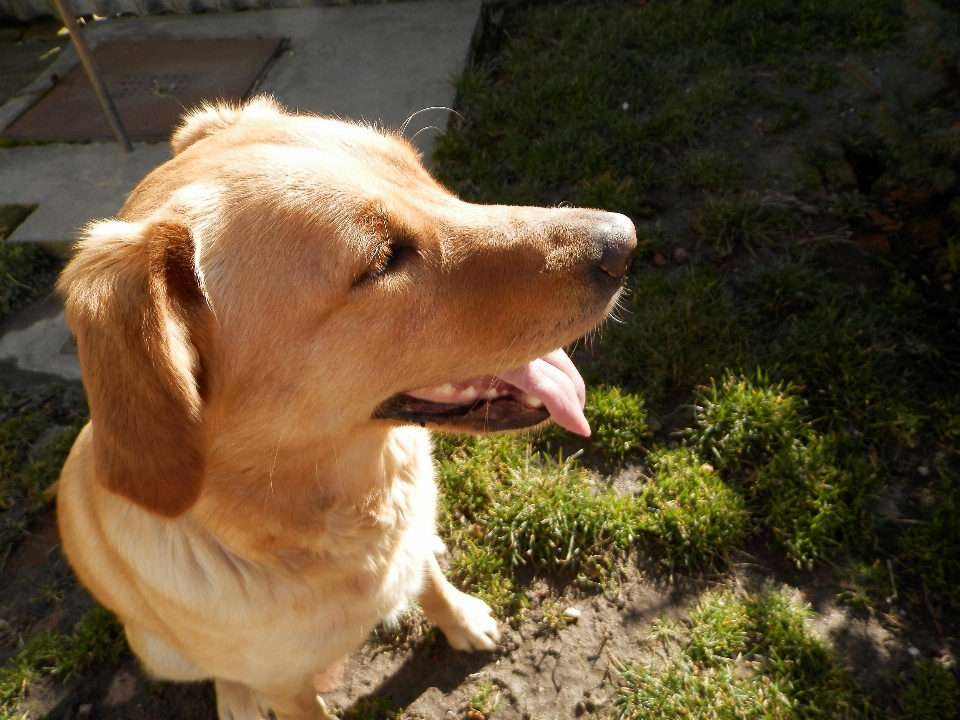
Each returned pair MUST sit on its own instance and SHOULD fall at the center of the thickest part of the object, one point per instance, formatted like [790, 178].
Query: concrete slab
[45, 346]
[378, 63]
[71, 185]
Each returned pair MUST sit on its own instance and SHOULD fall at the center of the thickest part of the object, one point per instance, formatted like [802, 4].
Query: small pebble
[626, 106]
[681, 255]
[707, 467]
[923, 470]
[474, 715]
[659, 260]
[572, 613]
[85, 710]
[914, 653]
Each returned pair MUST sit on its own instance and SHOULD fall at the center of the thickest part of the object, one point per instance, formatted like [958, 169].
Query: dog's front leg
[236, 701]
[465, 620]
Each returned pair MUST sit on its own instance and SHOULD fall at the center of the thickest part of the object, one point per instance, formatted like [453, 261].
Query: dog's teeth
[470, 393]
[531, 401]
[445, 389]
[491, 394]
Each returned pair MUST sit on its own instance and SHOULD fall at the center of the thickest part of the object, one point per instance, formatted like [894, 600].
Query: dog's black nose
[617, 239]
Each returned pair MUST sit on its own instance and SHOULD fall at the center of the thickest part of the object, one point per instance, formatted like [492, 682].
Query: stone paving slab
[71, 185]
[378, 63]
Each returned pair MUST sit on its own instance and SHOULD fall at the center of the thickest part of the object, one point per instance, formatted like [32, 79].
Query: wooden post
[86, 57]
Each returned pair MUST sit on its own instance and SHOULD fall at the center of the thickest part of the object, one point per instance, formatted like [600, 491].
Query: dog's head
[302, 271]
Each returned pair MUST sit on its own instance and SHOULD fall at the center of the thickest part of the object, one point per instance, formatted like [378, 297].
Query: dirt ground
[537, 673]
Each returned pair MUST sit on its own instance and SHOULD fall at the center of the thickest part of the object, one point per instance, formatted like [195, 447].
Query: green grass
[788, 114]
[680, 329]
[24, 269]
[373, 707]
[618, 421]
[727, 222]
[579, 101]
[486, 698]
[553, 619]
[26, 468]
[806, 488]
[694, 515]
[931, 692]
[506, 506]
[931, 551]
[709, 170]
[96, 638]
[738, 657]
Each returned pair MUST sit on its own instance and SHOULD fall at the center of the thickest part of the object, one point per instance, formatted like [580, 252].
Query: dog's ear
[135, 303]
[208, 119]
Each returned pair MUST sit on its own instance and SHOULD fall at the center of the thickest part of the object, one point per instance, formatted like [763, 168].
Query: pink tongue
[555, 380]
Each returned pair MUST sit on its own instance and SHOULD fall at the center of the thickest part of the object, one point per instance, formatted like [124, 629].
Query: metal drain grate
[151, 83]
[161, 84]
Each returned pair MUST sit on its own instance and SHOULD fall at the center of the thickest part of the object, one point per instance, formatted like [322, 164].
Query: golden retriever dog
[267, 332]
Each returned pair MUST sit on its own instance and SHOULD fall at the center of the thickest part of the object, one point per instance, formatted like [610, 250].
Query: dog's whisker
[336, 462]
[273, 466]
[406, 122]
[428, 127]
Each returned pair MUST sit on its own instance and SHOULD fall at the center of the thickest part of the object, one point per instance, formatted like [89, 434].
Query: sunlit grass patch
[506, 506]
[553, 617]
[550, 516]
[726, 222]
[738, 657]
[743, 420]
[486, 698]
[97, 638]
[555, 519]
[618, 421]
[695, 516]
[802, 486]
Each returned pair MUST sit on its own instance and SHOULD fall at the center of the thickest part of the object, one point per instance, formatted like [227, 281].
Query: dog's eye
[381, 260]
[384, 258]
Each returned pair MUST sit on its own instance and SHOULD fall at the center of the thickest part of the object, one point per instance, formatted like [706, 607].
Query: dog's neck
[295, 492]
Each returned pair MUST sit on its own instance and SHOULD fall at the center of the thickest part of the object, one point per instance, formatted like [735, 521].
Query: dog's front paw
[470, 625]
[236, 701]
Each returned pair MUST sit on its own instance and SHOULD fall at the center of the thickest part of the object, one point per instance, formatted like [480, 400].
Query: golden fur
[233, 500]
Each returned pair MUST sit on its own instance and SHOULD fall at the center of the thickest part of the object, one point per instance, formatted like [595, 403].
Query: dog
[267, 333]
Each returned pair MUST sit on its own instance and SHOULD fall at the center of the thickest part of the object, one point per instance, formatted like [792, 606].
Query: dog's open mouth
[519, 398]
